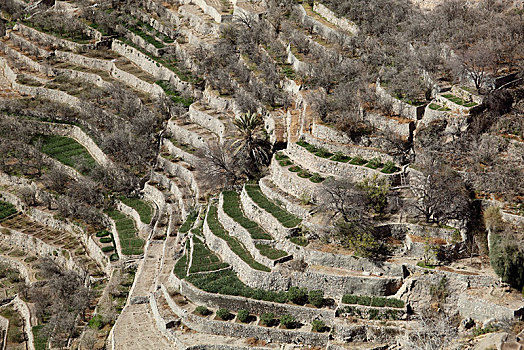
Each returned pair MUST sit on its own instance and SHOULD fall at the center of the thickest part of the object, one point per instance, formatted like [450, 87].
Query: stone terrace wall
[330, 16]
[348, 149]
[482, 310]
[258, 307]
[207, 121]
[237, 330]
[186, 136]
[26, 61]
[18, 266]
[294, 185]
[401, 108]
[236, 230]
[24, 311]
[325, 166]
[149, 65]
[276, 195]
[27, 45]
[390, 125]
[47, 39]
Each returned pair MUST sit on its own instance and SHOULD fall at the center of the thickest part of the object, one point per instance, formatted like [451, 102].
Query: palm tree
[252, 142]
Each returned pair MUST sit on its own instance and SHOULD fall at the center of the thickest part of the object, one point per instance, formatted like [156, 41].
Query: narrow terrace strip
[142, 207]
[232, 208]
[125, 226]
[203, 259]
[218, 230]
[287, 219]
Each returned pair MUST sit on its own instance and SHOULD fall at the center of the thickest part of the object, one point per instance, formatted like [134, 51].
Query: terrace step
[190, 133]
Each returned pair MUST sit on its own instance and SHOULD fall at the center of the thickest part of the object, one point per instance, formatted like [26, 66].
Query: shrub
[374, 163]
[349, 299]
[394, 303]
[377, 301]
[318, 326]
[97, 322]
[224, 314]
[324, 153]
[389, 168]
[281, 156]
[316, 298]
[108, 249]
[341, 157]
[297, 295]
[507, 260]
[358, 160]
[373, 314]
[105, 240]
[103, 233]
[113, 257]
[287, 321]
[295, 169]
[304, 174]
[285, 162]
[202, 310]
[316, 178]
[243, 315]
[267, 319]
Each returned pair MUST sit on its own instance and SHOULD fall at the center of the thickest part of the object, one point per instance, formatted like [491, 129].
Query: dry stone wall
[237, 330]
[331, 17]
[401, 108]
[47, 39]
[207, 121]
[482, 310]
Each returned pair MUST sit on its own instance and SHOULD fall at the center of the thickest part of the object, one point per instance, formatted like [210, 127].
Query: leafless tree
[220, 163]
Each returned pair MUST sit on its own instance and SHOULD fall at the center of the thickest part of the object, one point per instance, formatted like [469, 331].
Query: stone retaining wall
[149, 65]
[185, 136]
[134, 214]
[401, 108]
[257, 307]
[318, 27]
[207, 121]
[236, 230]
[482, 310]
[350, 150]
[209, 10]
[47, 39]
[239, 330]
[331, 17]
[297, 64]
[172, 188]
[263, 218]
[27, 45]
[276, 195]
[431, 115]
[24, 60]
[310, 161]
[390, 125]
[18, 266]
[23, 310]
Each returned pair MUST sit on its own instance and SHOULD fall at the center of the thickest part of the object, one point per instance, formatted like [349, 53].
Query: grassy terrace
[218, 230]
[285, 218]
[437, 107]
[204, 259]
[372, 301]
[127, 233]
[284, 161]
[375, 163]
[67, 151]
[190, 220]
[173, 94]
[459, 101]
[232, 208]
[6, 210]
[180, 269]
[79, 37]
[143, 208]
[270, 252]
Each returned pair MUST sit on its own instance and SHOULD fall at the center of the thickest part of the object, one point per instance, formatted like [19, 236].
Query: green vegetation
[371, 313]
[267, 319]
[270, 252]
[287, 219]
[218, 230]
[358, 160]
[180, 269]
[127, 234]
[489, 329]
[106, 240]
[40, 339]
[299, 240]
[103, 233]
[224, 314]
[108, 249]
[341, 157]
[243, 316]
[390, 168]
[323, 153]
[232, 208]
[318, 326]
[316, 298]
[227, 283]
[6, 210]
[77, 35]
[148, 38]
[426, 266]
[374, 163]
[287, 321]
[459, 101]
[372, 301]
[437, 107]
[175, 96]
[202, 310]
[67, 151]
[204, 259]
[298, 295]
[190, 220]
[295, 169]
[507, 259]
[143, 208]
